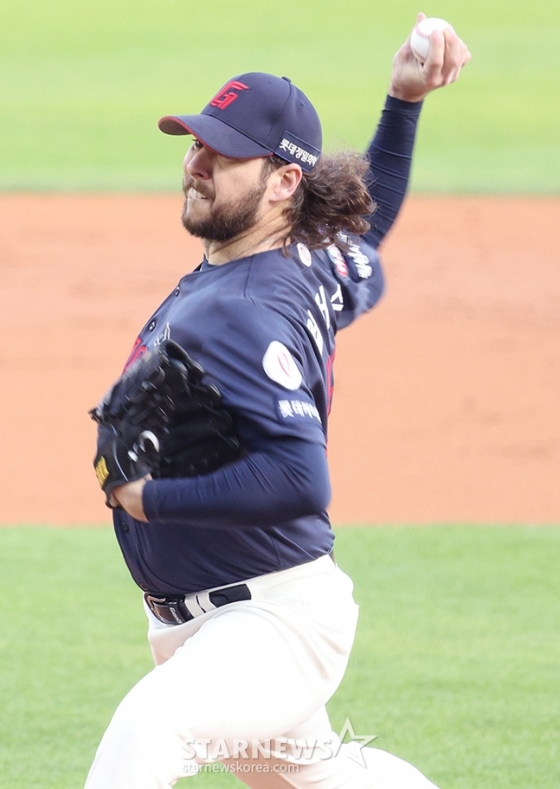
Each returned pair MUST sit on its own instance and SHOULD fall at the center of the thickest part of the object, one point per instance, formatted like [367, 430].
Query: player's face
[223, 197]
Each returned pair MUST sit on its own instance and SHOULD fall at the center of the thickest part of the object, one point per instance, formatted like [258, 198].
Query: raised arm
[411, 81]
[390, 151]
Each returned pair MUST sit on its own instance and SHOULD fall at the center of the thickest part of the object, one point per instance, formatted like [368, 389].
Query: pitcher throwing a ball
[211, 447]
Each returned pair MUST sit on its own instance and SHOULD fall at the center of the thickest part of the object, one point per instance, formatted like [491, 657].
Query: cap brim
[215, 134]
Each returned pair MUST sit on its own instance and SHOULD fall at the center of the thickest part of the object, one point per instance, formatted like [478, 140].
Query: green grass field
[455, 666]
[84, 84]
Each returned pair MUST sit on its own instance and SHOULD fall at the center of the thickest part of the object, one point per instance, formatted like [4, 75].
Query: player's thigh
[253, 670]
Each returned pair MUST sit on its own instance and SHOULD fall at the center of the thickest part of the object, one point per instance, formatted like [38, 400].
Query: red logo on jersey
[338, 259]
[227, 96]
[137, 351]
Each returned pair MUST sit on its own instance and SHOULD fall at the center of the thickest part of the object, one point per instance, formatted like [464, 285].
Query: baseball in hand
[420, 36]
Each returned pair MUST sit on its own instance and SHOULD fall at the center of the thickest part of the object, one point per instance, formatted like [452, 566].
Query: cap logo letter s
[227, 96]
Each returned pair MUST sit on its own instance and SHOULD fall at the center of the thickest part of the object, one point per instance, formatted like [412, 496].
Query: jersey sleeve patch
[280, 366]
[337, 258]
[357, 263]
[297, 409]
[304, 255]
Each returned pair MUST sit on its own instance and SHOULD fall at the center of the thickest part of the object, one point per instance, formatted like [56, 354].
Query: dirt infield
[446, 403]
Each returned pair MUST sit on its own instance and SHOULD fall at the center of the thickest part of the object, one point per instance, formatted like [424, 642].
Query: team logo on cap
[227, 94]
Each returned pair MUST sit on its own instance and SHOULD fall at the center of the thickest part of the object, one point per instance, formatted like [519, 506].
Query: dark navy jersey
[263, 328]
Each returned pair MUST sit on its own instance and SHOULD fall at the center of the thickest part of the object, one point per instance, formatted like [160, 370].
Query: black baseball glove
[201, 436]
[160, 418]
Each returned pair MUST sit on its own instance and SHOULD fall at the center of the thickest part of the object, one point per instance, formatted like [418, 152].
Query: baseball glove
[201, 436]
[161, 418]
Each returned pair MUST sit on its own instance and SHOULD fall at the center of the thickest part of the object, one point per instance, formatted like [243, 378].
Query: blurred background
[84, 84]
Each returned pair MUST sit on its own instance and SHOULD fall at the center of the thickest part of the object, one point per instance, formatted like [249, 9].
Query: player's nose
[198, 163]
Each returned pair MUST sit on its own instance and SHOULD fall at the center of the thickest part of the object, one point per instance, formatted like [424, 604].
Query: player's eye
[196, 145]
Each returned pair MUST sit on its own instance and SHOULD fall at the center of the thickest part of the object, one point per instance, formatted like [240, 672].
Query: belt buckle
[169, 610]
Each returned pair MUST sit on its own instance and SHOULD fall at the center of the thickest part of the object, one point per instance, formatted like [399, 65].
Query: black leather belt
[175, 610]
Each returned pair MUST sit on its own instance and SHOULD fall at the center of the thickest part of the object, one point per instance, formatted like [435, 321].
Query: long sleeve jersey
[263, 327]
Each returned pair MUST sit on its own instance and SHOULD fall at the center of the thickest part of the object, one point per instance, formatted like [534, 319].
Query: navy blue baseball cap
[255, 115]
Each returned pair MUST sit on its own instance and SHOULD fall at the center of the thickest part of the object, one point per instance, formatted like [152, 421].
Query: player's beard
[225, 222]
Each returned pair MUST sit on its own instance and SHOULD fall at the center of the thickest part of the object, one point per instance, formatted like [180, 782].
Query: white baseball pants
[245, 685]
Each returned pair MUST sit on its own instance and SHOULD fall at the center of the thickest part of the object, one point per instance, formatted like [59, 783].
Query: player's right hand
[411, 81]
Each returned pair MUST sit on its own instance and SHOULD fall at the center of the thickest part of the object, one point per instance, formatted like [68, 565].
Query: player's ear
[285, 181]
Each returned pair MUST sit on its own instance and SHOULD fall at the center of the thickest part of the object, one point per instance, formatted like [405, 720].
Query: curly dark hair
[330, 199]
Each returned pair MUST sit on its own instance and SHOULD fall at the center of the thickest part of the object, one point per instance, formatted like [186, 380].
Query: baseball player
[251, 621]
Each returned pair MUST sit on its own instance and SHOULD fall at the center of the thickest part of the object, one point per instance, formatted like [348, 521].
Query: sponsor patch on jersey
[338, 259]
[363, 265]
[280, 366]
[304, 254]
[298, 409]
[358, 259]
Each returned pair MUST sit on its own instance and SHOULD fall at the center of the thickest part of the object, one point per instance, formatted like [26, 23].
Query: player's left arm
[284, 479]
[390, 152]
[262, 372]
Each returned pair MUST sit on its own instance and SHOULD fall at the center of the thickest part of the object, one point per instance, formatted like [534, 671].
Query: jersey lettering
[337, 299]
[359, 258]
[289, 409]
[363, 265]
[321, 300]
[315, 332]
